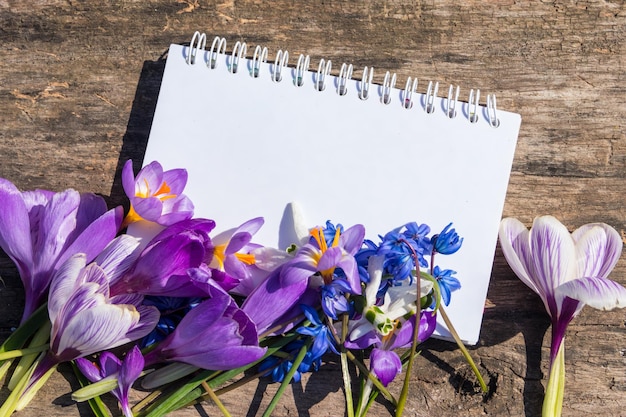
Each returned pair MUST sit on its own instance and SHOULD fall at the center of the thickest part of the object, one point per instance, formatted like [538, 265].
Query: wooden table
[78, 86]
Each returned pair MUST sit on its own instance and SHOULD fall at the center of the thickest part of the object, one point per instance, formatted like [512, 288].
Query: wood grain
[78, 86]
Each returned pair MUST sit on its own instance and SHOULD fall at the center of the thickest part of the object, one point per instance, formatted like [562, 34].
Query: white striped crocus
[85, 319]
[568, 271]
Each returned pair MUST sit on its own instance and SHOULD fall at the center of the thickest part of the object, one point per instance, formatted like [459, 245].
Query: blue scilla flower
[447, 242]
[419, 235]
[362, 258]
[334, 301]
[400, 252]
[278, 367]
[330, 231]
[323, 338]
[447, 283]
[172, 310]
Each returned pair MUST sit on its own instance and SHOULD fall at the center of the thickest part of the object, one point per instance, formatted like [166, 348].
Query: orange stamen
[246, 258]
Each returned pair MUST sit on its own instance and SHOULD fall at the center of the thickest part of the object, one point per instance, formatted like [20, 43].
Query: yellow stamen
[318, 235]
[131, 217]
[163, 193]
[218, 255]
[336, 238]
[145, 192]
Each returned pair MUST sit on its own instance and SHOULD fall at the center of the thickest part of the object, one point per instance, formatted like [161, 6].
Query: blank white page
[253, 145]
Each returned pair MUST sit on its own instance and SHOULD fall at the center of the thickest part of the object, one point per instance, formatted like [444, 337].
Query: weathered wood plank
[78, 85]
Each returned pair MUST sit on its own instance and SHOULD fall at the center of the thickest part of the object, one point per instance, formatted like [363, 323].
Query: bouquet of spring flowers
[191, 310]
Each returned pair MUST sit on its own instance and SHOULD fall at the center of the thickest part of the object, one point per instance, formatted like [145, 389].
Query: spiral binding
[240, 49]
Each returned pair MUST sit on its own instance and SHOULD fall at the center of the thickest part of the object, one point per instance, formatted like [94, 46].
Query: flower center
[219, 255]
[318, 235]
[163, 193]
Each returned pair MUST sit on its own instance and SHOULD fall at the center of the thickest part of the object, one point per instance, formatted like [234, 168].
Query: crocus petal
[15, 237]
[128, 178]
[362, 336]
[515, 245]
[149, 319]
[553, 253]
[149, 208]
[596, 292]
[225, 357]
[296, 272]
[268, 259]
[89, 369]
[57, 222]
[131, 369]
[214, 335]
[404, 336]
[149, 179]
[598, 248]
[96, 329]
[96, 236]
[385, 364]
[109, 364]
[118, 256]
[351, 269]
[330, 259]
[62, 287]
[272, 299]
[162, 268]
[351, 239]
[91, 207]
[176, 179]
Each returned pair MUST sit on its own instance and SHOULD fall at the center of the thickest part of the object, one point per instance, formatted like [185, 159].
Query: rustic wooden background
[78, 86]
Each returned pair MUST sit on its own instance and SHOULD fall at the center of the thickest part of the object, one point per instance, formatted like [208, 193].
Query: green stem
[364, 398]
[191, 391]
[553, 400]
[407, 376]
[346, 383]
[22, 352]
[18, 338]
[344, 367]
[215, 399]
[463, 349]
[292, 371]
[10, 404]
[41, 336]
[379, 386]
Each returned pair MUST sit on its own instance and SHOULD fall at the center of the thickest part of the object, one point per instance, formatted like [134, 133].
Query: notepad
[256, 135]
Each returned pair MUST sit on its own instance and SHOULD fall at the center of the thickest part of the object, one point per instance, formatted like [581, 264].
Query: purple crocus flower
[274, 299]
[320, 256]
[127, 372]
[567, 271]
[39, 230]
[215, 335]
[85, 319]
[230, 255]
[172, 263]
[155, 195]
